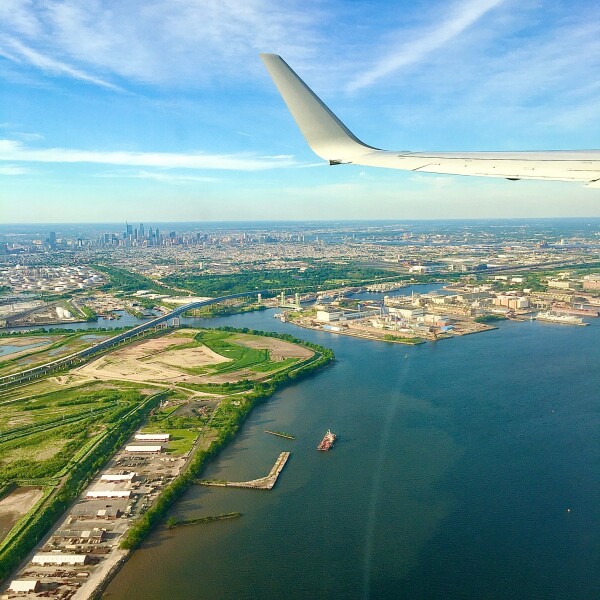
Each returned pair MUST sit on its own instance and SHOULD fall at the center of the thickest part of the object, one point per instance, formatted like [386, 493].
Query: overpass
[71, 359]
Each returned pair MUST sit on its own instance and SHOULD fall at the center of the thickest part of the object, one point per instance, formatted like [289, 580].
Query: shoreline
[138, 530]
[365, 335]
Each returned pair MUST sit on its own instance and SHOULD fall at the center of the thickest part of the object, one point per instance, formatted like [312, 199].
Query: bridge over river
[76, 357]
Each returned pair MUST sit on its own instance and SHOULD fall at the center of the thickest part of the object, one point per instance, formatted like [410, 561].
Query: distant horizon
[294, 221]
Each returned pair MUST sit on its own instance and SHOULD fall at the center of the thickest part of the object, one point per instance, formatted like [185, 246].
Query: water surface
[466, 468]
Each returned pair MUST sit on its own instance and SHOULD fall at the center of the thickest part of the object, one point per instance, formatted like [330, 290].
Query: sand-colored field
[160, 360]
[278, 349]
[190, 357]
[153, 360]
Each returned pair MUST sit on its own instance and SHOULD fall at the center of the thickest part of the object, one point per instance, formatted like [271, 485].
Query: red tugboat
[327, 441]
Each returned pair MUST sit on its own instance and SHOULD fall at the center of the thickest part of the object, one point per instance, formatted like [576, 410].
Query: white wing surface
[330, 139]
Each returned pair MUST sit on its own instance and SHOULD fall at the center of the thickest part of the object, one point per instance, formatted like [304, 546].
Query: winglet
[328, 137]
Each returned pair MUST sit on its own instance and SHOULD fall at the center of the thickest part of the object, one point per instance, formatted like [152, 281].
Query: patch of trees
[489, 318]
[320, 277]
[126, 281]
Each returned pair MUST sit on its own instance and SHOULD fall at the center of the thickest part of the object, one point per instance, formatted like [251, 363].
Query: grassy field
[241, 357]
[57, 432]
[40, 433]
[45, 423]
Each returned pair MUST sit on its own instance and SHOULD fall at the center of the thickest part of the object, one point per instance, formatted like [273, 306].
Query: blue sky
[161, 110]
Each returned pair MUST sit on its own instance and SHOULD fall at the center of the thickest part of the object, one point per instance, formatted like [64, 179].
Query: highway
[35, 372]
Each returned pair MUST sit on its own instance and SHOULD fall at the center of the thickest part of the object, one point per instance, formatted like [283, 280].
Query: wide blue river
[467, 468]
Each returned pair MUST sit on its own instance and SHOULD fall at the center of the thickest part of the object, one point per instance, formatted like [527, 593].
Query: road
[71, 359]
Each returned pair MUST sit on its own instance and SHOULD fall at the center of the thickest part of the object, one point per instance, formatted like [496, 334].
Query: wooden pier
[263, 483]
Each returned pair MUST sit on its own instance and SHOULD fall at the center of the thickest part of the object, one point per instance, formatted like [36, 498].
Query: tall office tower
[142, 232]
[157, 236]
[128, 228]
[136, 235]
[52, 239]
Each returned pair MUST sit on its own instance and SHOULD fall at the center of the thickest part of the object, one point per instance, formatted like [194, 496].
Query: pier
[283, 434]
[263, 483]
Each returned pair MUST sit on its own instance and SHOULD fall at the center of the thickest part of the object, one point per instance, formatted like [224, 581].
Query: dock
[283, 434]
[263, 483]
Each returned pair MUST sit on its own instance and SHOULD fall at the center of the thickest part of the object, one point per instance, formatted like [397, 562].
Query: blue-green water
[11, 349]
[468, 469]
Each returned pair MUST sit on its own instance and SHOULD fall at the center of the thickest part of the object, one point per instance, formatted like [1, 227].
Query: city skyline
[125, 111]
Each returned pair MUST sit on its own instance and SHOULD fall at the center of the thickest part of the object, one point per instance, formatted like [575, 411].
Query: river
[466, 468]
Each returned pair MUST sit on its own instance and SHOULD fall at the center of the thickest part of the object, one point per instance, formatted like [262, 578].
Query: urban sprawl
[103, 427]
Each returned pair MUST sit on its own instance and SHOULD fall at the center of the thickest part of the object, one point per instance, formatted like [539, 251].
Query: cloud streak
[14, 151]
[18, 52]
[187, 43]
[161, 177]
[425, 42]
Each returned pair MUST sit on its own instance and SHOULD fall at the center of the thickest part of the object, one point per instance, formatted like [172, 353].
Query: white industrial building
[144, 449]
[154, 449]
[152, 437]
[419, 269]
[108, 494]
[24, 586]
[59, 558]
[409, 313]
[327, 316]
[117, 477]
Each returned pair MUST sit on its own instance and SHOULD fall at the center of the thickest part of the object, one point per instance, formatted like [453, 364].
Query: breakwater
[263, 483]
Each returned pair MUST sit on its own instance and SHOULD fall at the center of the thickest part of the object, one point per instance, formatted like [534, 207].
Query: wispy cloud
[14, 151]
[161, 177]
[424, 41]
[159, 42]
[19, 52]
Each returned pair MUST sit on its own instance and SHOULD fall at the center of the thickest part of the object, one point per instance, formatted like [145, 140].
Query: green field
[242, 357]
[57, 432]
[322, 276]
[39, 434]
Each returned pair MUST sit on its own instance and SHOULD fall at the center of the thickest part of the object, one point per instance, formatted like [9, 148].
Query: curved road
[117, 339]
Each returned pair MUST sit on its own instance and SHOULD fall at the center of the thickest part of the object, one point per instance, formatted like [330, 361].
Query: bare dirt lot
[152, 360]
[15, 505]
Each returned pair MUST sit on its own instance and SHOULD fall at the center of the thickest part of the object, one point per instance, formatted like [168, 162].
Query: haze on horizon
[163, 110]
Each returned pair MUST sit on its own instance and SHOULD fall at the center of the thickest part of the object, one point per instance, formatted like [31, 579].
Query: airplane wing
[330, 139]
